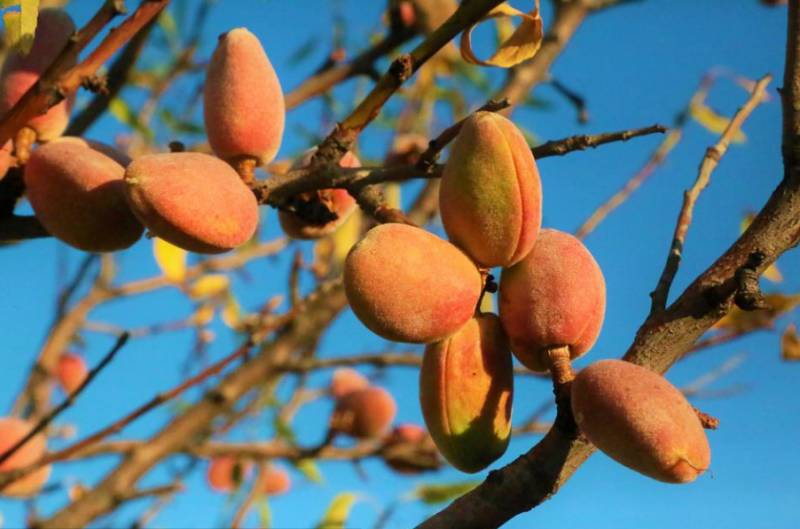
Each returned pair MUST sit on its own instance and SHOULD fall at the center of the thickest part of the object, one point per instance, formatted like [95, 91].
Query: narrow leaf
[338, 511]
[208, 286]
[713, 122]
[433, 493]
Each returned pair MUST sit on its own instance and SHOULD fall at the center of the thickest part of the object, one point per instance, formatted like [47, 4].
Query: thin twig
[67, 402]
[710, 161]
[580, 143]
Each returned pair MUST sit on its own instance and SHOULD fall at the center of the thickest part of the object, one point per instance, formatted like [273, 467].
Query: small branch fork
[59, 81]
[710, 161]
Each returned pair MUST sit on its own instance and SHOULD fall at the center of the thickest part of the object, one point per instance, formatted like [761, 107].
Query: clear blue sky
[636, 65]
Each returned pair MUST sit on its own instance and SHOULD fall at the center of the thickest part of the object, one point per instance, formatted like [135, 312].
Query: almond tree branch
[707, 166]
[59, 81]
[661, 340]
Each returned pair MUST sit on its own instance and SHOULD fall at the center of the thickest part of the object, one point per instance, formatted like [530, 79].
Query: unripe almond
[491, 196]
[556, 296]
[408, 285]
[346, 380]
[640, 420]
[337, 201]
[242, 100]
[78, 193]
[20, 72]
[192, 200]
[71, 371]
[466, 389]
[12, 430]
[364, 414]
[226, 473]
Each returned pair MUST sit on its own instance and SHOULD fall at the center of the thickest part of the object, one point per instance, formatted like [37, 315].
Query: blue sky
[636, 65]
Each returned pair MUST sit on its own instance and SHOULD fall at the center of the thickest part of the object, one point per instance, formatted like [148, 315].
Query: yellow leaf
[209, 285]
[21, 25]
[738, 320]
[790, 344]
[203, 315]
[487, 302]
[171, 260]
[521, 45]
[772, 273]
[712, 121]
[346, 236]
[393, 195]
[232, 312]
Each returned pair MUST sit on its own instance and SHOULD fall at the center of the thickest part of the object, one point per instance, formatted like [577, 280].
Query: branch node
[748, 291]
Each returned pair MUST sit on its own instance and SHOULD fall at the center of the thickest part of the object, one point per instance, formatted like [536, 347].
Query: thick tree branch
[659, 343]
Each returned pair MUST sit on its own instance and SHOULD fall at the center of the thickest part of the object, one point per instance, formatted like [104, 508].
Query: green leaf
[264, 513]
[304, 51]
[120, 110]
[309, 469]
[338, 511]
[433, 493]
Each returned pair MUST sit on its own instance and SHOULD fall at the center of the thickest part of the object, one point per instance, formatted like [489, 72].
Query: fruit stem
[246, 167]
[23, 142]
[558, 361]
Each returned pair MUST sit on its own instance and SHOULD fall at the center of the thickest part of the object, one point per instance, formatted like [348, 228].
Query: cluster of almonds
[408, 285]
[95, 198]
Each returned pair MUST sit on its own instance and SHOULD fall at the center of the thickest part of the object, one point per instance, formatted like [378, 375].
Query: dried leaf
[521, 45]
[771, 273]
[487, 302]
[171, 259]
[208, 286]
[740, 321]
[338, 511]
[346, 236]
[393, 195]
[21, 25]
[713, 122]
[232, 313]
[790, 344]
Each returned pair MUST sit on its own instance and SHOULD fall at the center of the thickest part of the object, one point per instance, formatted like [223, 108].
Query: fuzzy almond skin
[276, 481]
[20, 72]
[556, 296]
[640, 420]
[364, 414]
[226, 473]
[192, 200]
[466, 390]
[71, 371]
[12, 430]
[242, 100]
[491, 195]
[78, 194]
[346, 380]
[339, 201]
[408, 285]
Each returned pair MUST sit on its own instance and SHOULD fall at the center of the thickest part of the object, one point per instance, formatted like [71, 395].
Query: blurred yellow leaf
[772, 273]
[738, 320]
[209, 285]
[790, 344]
[521, 45]
[338, 511]
[712, 121]
[232, 312]
[203, 315]
[171, 259]
[21, 25]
